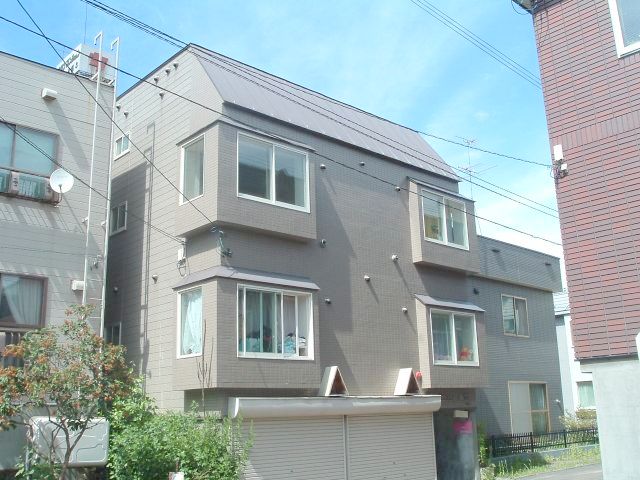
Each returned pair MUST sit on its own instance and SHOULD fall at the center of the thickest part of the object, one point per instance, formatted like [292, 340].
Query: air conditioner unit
[77, 285]
[91, 450]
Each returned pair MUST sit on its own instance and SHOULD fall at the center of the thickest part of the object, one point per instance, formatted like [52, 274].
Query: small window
[515, 320]
[272, 173]
[112, 334]
[586, 396]
[122, 145]
[625, 18]
[190, 322]
[192, 177]
[118, 220]
[445, 220]
[274, 323]
[454, 338]
[21, 301]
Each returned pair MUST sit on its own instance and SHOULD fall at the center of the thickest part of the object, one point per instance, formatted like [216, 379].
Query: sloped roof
[561, 303]
[254, 89]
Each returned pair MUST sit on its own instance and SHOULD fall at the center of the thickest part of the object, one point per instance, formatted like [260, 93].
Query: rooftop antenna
[61, 181]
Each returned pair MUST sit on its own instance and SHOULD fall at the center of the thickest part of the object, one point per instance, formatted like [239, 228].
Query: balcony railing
[27, 185]
[10, 336]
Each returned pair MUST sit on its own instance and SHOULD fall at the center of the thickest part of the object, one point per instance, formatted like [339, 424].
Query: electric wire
[7, 124]
[320, 155]
[268, 77]
[486, 47]
[112, 120]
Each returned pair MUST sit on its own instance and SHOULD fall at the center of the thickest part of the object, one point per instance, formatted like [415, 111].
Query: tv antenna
[61, 181]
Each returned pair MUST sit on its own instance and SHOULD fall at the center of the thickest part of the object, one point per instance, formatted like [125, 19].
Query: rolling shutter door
[296, 448]
[391, 447]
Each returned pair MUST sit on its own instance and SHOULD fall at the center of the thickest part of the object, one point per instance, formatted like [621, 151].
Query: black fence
[502, 445]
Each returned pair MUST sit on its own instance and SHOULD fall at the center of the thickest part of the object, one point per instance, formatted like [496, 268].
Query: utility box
[91, 450]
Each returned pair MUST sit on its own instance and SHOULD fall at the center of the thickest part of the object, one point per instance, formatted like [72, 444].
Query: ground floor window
[529, 407]
[586, 397]
[274, 323]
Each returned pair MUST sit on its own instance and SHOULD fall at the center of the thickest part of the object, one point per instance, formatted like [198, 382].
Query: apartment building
[314, 269]
[48, 240]
[589, 54]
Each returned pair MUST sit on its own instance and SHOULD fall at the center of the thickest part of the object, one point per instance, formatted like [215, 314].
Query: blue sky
[384, 56]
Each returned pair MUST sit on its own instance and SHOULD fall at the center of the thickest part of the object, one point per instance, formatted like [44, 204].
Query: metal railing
[502, 445]
[10, 336]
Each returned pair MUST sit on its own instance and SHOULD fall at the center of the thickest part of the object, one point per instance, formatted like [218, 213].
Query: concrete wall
[617, 389]
[47, 240]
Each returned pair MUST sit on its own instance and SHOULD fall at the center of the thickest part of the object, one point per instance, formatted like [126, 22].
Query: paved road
[590, 472]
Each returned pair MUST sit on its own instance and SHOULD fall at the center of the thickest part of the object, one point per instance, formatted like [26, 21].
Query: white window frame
[272, 180]
[109, 328]
[445, 234]
[182, 200]
[179, 322]
[454, 350]
[621, 49]
[282, 292]
[123, 152]
[516, 334]
[546, 393]
[126, 215]
[12, 167]
[582, 382]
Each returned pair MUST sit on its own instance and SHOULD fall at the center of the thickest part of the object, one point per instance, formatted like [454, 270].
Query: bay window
[274, 323]
[190, 322]
[454, 339]
[445, 220]
[272, 173]
[515, 320]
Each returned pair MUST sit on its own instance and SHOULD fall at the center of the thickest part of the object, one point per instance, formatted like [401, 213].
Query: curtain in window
[522, 321]
[508, 315]
[193, 165]
[465, 338]
[253, 334]
[586, 395]
[539, 411]
[456, 223]
[442, 336]
[23, 297]
[432, 212]
[191, 322]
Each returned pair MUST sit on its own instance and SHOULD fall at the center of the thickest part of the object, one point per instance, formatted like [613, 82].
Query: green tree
[69, 373]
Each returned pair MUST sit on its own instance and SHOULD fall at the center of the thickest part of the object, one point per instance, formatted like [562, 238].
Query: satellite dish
[61, 181]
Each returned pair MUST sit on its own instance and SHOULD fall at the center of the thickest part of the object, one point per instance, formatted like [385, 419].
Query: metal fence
[502, 445]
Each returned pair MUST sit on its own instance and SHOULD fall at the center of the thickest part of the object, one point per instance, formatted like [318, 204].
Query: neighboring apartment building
[589, 53]
[289, 233]
[577, 386]
[46, 114]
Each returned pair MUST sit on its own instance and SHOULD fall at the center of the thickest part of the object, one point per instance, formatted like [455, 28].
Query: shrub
[203, 448]
[583, 418]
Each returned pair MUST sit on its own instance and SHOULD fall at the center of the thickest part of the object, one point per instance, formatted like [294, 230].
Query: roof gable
[247, 87]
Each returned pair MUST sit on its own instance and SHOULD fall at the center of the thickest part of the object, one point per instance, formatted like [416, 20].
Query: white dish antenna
[61, 181]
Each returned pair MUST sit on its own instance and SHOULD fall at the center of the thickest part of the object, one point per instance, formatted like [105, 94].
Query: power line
[486, 47]
[337, 162]
[271, 78]
[4, 122]
[112, 120]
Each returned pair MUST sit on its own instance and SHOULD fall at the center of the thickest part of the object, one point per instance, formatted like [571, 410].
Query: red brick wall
[592, 100]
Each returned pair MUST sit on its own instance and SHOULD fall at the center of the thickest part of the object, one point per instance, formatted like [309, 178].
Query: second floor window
[445, 220]
[625, 16]
[122, 145]
[118, 219]
[274, 323]
[515, 320]
[190, 322]
[454, 338]
[272, 173]
[26, 150]
[192, 178]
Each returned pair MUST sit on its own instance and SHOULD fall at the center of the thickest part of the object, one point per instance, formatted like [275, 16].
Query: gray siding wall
[532, 359]
[42, 239]
[363, 330]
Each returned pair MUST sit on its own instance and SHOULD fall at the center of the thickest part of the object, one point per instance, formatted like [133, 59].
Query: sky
[387, 57]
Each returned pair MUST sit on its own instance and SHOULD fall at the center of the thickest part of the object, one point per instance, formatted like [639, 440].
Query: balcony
[27, 185]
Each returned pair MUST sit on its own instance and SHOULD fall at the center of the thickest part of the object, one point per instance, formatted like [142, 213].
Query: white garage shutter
[296, 448]
[391, 447]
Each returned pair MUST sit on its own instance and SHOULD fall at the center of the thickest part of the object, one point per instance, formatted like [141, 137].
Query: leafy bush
[583, 418]
[483, 445]
[203, 448]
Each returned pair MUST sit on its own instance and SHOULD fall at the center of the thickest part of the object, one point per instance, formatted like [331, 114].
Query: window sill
[515, 335]
[274, 203]
[121, 154]
[273, 356]
[115, 232]
[458, 364]
[185, 202]
[191, 355]
[446, 244]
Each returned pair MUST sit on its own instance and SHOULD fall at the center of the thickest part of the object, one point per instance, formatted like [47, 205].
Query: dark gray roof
[246, 275]
[455, 304]
[253, 89]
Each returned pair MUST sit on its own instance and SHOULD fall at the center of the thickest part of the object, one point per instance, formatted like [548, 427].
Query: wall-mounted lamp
[398, 188]
[323, 166]
[405, 309]
[362, 164]
[327, 301]
[154, 277]
[495, 250]
[367, 278]
[395, 257]
[323, 242]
